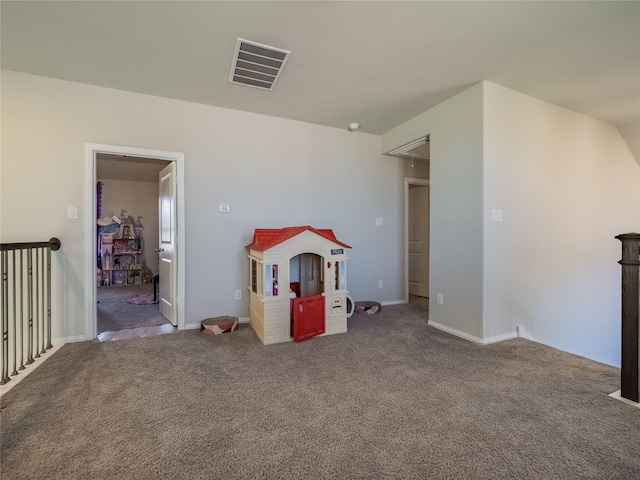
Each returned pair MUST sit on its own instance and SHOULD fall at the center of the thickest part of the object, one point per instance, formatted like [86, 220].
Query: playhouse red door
[308, 317]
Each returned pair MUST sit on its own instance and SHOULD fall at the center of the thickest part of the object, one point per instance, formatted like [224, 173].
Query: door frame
[407, 182]
[90, 231]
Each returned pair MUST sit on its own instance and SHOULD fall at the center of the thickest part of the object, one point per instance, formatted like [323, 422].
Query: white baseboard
[499, 338]
[393, 302]
[62, 340]
[455, 332]
[472, 338]
[617, 395]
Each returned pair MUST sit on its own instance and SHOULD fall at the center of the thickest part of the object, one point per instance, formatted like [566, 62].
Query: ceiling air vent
[257, 65]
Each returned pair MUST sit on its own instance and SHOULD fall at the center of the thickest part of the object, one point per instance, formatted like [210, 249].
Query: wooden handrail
[53, 243]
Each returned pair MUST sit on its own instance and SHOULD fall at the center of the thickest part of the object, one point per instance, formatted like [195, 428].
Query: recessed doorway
[417, 162]
[417, 236]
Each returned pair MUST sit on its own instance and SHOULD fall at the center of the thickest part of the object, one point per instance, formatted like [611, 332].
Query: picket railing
[26, 304]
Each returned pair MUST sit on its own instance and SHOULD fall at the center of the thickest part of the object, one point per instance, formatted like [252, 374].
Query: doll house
[297, 284]
[120, 246]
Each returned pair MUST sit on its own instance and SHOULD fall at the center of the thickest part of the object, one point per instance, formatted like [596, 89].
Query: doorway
[131, 161]
[417, 236]
[127, 244]
[307, 304]
[417, 162]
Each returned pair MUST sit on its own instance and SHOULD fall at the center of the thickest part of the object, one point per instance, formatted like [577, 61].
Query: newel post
[629, 387]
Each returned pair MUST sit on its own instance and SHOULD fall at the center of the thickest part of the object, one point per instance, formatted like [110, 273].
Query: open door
[418, 239]
[308, 317]
[167, 243]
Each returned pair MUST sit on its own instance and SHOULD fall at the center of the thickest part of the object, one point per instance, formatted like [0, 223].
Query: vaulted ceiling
[375, 63]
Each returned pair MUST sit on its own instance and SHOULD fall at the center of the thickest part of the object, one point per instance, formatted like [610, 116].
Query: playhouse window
[340, 275]
[270, 280]
[254, 276]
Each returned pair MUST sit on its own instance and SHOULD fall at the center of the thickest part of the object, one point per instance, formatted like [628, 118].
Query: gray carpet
[391, 399]
[114, 313]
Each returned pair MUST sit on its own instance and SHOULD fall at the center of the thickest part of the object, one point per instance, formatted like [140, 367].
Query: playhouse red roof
[265, 238]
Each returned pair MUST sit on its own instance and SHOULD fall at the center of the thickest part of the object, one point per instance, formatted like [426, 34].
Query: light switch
[379, 222]
[496, 215]
[225, 208]
[72, 212]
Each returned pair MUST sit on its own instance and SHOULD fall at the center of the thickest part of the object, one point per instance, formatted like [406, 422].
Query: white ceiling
[133, 169]
[375, 63]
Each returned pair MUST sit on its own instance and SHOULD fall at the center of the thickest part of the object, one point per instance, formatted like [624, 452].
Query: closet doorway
[417, 162]
[417, 236]
[125, 194]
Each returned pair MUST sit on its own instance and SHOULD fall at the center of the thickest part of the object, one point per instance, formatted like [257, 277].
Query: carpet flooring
[115, 313]
[391, 399]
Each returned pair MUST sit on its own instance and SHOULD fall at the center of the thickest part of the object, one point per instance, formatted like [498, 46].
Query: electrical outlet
[439, 299]
[380, 283]
[238, 294]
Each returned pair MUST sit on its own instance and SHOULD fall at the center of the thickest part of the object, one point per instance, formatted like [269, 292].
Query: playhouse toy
[297, 284]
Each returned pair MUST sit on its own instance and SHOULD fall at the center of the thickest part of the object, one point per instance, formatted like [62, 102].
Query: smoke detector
[257, 65]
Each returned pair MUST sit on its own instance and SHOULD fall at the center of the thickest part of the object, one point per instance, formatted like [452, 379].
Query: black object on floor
[156, 280]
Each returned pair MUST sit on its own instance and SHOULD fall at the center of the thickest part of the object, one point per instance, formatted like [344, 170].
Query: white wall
[630, 131]
[455, 251]
[416, 168]
[137, 198]
[273, 172]
[567, 185]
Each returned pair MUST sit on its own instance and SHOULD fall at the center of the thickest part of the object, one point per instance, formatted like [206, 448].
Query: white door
[167, 243]
[418, 238]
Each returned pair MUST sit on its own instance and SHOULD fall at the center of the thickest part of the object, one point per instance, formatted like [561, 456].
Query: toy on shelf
[120, 245]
